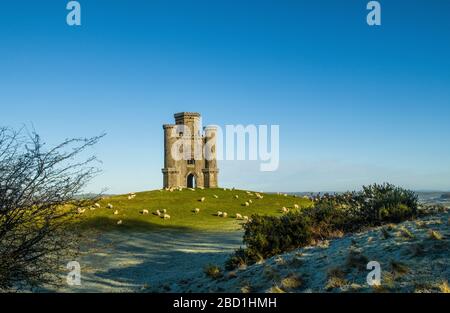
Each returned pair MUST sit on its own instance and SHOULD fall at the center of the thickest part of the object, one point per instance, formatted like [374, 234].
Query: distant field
[180, 206]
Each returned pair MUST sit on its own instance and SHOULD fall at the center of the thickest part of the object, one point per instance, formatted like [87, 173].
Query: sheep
[191, 189]
[202, 199]
[236, 196]
[250, 201]
[92, 208]
[296, 206]
[145, 212]
[164, 211]
[246, 204]
[166, 217]
[116, 212]
[158, 212]
[216, 196]
[246, 219]
[219, 213]
[110, 206]
[225, 215]
[224, 189]
[238, 216]
[97, 205]
[81, 211]
[284, 210]
[196, 210]
[119, 222]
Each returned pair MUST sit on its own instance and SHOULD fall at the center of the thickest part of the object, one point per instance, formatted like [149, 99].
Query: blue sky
[355, 104]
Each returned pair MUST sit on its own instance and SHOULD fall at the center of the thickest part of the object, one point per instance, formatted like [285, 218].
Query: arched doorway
[191, 183]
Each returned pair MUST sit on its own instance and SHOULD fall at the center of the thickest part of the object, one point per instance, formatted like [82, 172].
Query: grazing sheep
[97, 205]
[296, 206]
[116, 212]
[81, 211]
[238, 216]
[236, 196]
[247, 204]
[110, 206]
[250, 201]
[225, 215]
[191, 189]
[202, 199]
[196, 210]
[158, 212]
[219, 213]
[166, 217]
[224, 189]
[216, 196]
[145, 212]
[284, 210]
[92, 208]
[246, 219]
[119, 222]
[164, 211]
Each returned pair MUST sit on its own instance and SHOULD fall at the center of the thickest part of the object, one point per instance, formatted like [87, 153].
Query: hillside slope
[180, 206]
[414, 257]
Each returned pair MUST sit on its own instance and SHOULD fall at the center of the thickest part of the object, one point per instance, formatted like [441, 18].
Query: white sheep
[250, 201]
[110, 206]
[216, 196]
[116, 212]
[202, 199]
[238, 216]
[145, 212]
[219, 213]
[247, 204]
[158, 212]
[236, 196]
[296, 206]
[97, 205]
[246, 219]
[164, 211]
[81, 211]
[166, 216]
[284, 210]
[119, 222]
[225, 215]
[196, 210]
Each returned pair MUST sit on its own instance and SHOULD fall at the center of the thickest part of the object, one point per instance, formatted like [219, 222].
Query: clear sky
[355, 104]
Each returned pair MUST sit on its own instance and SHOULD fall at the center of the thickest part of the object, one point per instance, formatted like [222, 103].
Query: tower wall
[176, 172]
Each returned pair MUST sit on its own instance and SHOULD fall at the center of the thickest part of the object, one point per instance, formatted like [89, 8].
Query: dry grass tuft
[213, 271]
[276, 289]
[444, 287]
[292, 281]
[399, 268]
[435, 235]
[336, 279]
[406, 233]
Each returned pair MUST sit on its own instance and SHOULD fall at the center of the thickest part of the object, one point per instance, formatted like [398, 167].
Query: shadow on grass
[144, 254]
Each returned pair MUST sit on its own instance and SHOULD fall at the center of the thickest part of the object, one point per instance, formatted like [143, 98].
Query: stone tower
[189, 153]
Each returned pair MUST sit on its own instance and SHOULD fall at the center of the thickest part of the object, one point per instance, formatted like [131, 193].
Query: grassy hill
[180, 206]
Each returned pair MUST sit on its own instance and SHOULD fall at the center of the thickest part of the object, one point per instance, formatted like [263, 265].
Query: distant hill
[446, 196]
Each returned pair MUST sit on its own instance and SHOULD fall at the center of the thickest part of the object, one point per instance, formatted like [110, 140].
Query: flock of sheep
[164, 215]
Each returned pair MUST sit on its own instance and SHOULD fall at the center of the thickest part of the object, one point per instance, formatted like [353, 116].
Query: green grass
[180, 206]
